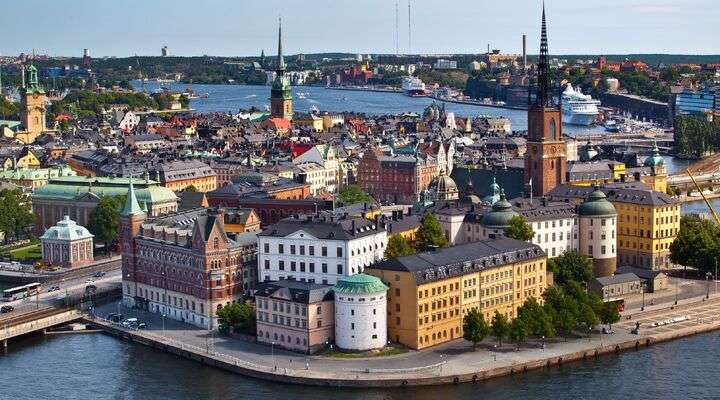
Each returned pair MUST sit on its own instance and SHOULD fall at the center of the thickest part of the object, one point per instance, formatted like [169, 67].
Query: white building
[129, 122]
[445, 64]
[598, 222]
[360, 313]
[321, 249]
[325, 156]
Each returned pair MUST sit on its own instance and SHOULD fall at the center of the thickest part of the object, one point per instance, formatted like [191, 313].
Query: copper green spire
[131, 207]
[281, 59]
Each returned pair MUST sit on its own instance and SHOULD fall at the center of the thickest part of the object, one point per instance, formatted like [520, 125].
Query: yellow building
[241, 220]
[648, 221]
[309, 120]
[430, 292]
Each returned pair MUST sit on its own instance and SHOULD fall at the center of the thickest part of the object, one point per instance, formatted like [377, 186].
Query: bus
[21, 292]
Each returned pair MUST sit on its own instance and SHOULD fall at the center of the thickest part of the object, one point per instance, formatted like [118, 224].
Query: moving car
[6, 309]
[99, 274]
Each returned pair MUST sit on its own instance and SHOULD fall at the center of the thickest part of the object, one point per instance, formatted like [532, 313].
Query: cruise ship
[578, 108]
[413, 87]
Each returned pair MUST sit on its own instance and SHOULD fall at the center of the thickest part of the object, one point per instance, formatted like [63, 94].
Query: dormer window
[216, 243]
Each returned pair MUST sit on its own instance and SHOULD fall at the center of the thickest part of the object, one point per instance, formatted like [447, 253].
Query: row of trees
[694, 137]
[237, 318]
[429, 235]
[567, 308]
[16, 216]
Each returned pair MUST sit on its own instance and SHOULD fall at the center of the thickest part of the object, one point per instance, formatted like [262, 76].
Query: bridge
[36, 321]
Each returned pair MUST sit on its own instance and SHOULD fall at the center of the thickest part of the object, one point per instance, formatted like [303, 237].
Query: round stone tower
[598, 230]
[360, 313]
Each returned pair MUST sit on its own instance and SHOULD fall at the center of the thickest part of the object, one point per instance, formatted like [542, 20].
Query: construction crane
[712, 210]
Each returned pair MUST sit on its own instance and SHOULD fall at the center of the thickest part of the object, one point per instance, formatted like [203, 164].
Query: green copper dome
[588, 152]
[655, 160]
[500, 215]
[596, 205]
[360, 284]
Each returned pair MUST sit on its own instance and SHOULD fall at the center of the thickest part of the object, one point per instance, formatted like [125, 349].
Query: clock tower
[32, 107]
[545, 157]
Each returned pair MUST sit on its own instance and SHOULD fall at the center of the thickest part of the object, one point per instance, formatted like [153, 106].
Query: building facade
[430, 292]
[319, 248]
[67, 244]
[395, 178]
[294, 315]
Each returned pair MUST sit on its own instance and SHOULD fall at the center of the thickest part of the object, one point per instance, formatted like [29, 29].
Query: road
[67, 287]
[683, 288]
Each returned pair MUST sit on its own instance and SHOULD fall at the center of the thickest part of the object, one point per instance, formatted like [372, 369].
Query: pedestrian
[307, 366]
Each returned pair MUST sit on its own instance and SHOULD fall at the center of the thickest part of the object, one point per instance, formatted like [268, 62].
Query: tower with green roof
[360, 313]
[32, 106]
[281, 92]
[131, 218]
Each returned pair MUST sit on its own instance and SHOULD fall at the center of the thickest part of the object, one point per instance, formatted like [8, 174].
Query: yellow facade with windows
[645, 232]
[427, 312]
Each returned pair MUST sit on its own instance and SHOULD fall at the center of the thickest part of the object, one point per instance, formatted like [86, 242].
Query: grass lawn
[31, 252]
[387, 351]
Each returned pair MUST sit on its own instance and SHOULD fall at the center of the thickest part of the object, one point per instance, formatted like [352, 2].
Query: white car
[89, 281]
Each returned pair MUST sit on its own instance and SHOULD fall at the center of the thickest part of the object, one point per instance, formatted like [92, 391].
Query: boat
[413, 87]
[578, 108]
[612, 126]
[301, 95]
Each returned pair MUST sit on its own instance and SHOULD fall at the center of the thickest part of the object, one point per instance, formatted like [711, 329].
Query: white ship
[578, 108]
[413, 87]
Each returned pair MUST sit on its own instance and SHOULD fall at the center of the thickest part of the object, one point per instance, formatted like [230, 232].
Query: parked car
[89, 281]
[6, 309]
[130, 322]
[115, 317]
[142, 325]
[99, 274]
[53, 288]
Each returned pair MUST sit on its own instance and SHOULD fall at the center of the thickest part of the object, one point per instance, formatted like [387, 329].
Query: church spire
[543, 95]
[281, 59]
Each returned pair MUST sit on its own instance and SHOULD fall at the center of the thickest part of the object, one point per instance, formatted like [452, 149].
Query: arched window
[552, 128]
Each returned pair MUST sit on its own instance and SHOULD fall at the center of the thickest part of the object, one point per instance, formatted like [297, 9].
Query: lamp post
[163, 321]
[272, 354]
[642, 289]
[707, 283]
[676, 293]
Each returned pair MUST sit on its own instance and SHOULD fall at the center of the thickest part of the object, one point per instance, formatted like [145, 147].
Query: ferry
[413, 87]
[578, 108]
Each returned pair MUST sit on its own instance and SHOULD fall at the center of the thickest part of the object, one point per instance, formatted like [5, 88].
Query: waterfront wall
[423, 376]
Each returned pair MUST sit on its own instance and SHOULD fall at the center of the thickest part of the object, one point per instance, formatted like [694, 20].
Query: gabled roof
[295, 291]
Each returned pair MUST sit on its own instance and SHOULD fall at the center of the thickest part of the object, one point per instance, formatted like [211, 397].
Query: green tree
[237, 317]
[609, 314]
[191, 188]
[587, 318]
[475, 329]
[537, 318]
[500, 327]
[519, 330]
[430, 234]
[104, 220]
[15, 214]
[571, 266]
[697, 245]
[353, 194]
[519, 229]
[398, 247]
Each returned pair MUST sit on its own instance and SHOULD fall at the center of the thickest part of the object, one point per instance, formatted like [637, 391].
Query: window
[281, 265]
[302, 266]
[267, 247]
[339, 252]
[319, 310]
[281, 248]
[323, 251]
[292, 249]
[267, 264]
[339, 269]
[302, 250]
[324, 268]
[352, 325]
[311, 250]
[293, 266]
[312, 267]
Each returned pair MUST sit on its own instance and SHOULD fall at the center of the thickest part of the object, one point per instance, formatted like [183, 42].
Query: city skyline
[613, 27]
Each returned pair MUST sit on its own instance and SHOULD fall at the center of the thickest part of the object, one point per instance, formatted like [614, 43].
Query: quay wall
[637, 107]
[373, 379]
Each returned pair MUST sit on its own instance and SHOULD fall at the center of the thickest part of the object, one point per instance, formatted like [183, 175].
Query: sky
[245, 27]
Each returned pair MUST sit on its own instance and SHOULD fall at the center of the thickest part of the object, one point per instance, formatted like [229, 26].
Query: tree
[587, 318]
[571, 266]
[519, 330]
[537, 318]
[353, 194]
[500, 327]
[104, 220]
[15, 214]
[697, 245]
[430, 234]
[191, 189]
[237, 317]
[475, 329]
[519, 229]
[609, 314]
[398, 247]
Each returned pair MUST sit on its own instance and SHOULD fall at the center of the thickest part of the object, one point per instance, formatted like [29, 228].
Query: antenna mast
[409, 28]
[397, 29]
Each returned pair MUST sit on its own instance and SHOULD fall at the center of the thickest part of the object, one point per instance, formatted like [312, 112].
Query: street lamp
[707, 283]
[676, 292]
[642, 289]
[272, 354]
[163, 321]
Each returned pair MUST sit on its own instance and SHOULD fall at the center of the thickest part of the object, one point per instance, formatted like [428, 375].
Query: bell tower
[32, 107]
[281, 92]
[546, 157]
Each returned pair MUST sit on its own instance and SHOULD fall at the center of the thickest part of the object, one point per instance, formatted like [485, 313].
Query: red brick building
[181, 265]
[396, 178]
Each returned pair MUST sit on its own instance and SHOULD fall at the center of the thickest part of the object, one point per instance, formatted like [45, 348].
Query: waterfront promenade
[452, 362]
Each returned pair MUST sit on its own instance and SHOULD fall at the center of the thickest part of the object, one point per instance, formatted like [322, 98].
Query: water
[95, 366]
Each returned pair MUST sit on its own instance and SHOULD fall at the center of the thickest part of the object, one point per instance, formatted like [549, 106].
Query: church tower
[281, 92]
[545, 159]
[131, 218]
[32, 107]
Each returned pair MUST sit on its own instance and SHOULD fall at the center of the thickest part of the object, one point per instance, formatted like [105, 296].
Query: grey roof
[540, 209]
[640, 272]
[617, 279]
[462, 259]
[325, 227]
[295, 291]
[633, 193]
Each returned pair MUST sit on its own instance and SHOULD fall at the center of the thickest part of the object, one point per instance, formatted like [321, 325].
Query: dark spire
[281, 60]
[543, 95]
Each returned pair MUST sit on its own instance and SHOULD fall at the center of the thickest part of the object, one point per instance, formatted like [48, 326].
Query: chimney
[352, 226]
